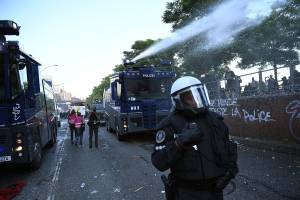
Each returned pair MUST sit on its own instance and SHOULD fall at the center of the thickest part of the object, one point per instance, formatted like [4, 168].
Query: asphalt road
[123, 170]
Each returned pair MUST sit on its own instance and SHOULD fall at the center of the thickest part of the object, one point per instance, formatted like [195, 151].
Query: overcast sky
[85, 38]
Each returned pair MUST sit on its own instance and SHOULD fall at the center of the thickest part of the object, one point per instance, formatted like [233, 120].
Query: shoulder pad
[165, 122]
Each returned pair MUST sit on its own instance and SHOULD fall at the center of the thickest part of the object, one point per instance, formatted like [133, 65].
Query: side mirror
[114, 90]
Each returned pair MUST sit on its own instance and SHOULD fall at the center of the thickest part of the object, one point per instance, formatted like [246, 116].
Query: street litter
[139, 189]
[82, 185]
[117, 190]
[12, 191]
[94, 192]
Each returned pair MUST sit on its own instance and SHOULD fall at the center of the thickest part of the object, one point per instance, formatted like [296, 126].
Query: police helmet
[188, 93]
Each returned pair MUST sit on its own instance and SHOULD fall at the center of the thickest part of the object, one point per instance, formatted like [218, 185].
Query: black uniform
[200, 171]
[93, 129]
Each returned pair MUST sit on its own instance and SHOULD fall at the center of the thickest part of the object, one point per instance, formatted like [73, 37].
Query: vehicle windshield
[148, 88]
[98, 106]
[2, 87]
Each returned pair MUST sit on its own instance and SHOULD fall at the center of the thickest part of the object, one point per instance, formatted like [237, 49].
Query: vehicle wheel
[108, 128]
[119, 136]
[53, 136]
[107, 125]
[37, 158]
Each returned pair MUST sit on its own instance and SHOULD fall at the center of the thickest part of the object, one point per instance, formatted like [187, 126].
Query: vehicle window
[49, 97]
[23, 78]
[148, 88]
[2, 87]
[14, 81]
[40, 103]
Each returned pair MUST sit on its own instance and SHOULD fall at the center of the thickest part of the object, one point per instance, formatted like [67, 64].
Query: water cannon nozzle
[128, 62]
[8, 27]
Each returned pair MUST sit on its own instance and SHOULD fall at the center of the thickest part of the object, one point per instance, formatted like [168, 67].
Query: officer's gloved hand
[189, 137]
[223, 181]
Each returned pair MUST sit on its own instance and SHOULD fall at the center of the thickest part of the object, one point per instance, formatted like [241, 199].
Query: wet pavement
[123, 170]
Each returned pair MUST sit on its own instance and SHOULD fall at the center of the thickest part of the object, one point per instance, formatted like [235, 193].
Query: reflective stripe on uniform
[157, 148]
[77, 125]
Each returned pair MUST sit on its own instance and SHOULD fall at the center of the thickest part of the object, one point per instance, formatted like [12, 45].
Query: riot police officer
[194, 144]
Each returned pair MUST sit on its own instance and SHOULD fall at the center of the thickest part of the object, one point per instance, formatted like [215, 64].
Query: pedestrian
[285, 84]
[272, 85]
[253, 86]
[71, 121]
[79, 128]
[194, 144]
[93, 128]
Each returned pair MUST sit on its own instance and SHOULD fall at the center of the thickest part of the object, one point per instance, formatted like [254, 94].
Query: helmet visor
[195, 97]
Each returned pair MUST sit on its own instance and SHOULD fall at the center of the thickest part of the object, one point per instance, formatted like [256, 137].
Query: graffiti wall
[267, 118]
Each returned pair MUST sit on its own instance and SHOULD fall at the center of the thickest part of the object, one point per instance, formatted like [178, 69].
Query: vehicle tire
[108, 128]
[119, 136]
[53, 136]
[107, 125]
[37, 157]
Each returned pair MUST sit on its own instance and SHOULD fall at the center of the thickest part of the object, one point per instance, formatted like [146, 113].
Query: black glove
[223, 181]
[189, 137]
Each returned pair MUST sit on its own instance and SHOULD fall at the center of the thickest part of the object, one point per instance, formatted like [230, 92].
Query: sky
[84, 38]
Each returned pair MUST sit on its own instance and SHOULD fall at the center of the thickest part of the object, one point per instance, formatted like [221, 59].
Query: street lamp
[48, 67]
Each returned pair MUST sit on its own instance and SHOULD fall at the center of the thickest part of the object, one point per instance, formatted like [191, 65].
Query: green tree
[140, 46]
[271, 43]
[180, 12]
[97, 93]
[136, 48]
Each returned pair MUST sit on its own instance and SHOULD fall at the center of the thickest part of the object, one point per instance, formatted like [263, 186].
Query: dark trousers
[78, 136]
[72, 130]
[183, 194]
[93, 131]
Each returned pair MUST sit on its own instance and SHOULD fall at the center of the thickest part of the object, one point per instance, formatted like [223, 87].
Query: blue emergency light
[166, 62]
[8, 27]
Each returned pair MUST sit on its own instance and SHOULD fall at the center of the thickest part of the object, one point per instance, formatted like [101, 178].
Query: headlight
[19, 148]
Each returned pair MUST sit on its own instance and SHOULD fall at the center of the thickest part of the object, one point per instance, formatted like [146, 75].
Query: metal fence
[277, 81]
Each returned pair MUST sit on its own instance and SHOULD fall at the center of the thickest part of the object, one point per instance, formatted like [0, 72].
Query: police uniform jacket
[211, 158]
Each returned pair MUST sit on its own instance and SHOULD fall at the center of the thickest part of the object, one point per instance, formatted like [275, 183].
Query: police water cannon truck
[138, 98]
[28, 120]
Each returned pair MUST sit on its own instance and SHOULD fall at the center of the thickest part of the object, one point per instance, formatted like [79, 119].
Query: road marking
[51, 197]
[55, 177]
[57, 170]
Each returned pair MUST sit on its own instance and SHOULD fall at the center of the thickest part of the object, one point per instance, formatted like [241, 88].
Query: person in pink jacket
[71, 121]
[79, 124]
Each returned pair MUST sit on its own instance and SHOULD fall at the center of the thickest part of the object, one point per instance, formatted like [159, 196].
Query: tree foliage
[180, 12]
[141, 45]
[271, 43]
[136, 49]
[97, 93]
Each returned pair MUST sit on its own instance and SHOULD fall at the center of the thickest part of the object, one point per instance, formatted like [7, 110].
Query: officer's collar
[189, 114]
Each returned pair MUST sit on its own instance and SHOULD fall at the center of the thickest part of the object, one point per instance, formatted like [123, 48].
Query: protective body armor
[206, 161]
